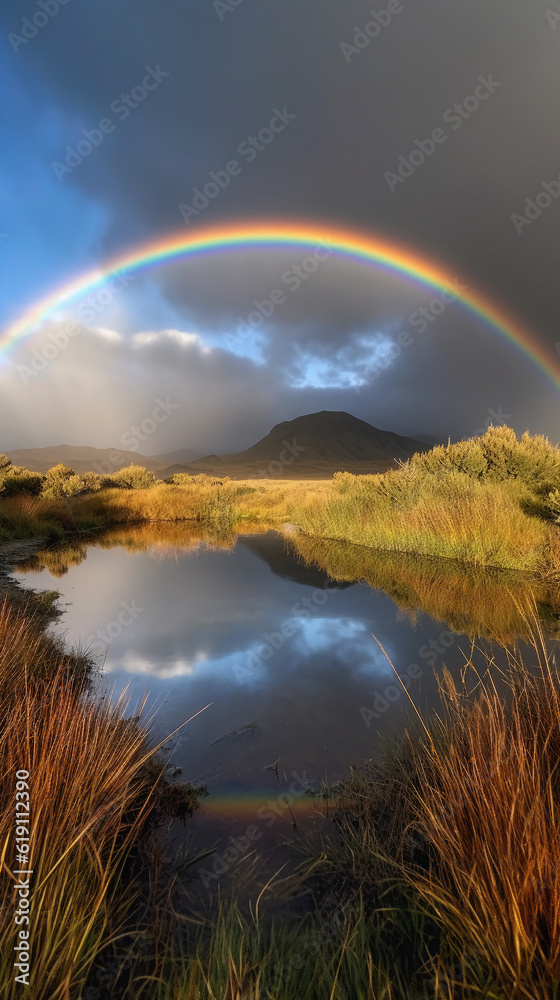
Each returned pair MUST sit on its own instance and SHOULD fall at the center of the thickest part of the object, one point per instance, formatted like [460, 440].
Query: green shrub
[532, 463]
[18, 480]
[92, 482]
[87, 482]
[53, 483]
[133, 477]
[180, 479]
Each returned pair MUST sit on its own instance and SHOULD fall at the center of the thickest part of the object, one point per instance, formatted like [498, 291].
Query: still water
[277, 645]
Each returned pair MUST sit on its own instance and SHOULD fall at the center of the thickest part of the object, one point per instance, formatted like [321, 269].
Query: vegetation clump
[133, 477]
[96, 784]
[491, 501]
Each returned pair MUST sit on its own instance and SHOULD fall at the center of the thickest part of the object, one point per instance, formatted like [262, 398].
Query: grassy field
[492, 501]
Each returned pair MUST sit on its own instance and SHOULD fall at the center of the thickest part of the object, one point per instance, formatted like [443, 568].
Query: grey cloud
[353, 123]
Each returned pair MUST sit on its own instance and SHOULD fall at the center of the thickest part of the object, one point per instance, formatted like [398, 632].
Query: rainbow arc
[350, 244]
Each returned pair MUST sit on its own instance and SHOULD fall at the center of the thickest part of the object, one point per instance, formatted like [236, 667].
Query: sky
[114, 114]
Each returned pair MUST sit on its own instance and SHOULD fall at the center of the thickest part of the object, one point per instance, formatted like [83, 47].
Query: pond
[275, 641]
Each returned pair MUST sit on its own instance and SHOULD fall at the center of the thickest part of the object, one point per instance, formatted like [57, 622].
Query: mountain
[313, 446]
[181, 457]
[80, 458]
[310, 447]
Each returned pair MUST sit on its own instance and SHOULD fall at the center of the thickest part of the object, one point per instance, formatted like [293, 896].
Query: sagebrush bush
[55, 480]
[17, 480]
[133, 477]
[499, 456]
[185, 479]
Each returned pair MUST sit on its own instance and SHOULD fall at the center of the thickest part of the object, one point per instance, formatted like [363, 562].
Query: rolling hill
[83, 458]
[313, 446]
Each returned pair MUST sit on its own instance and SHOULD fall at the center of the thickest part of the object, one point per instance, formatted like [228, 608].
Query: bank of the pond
[92, 785]
[492, 502]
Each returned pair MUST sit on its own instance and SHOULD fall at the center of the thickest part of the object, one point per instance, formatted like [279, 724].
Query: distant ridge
[80, 458]
[312, 446]
[83, 458]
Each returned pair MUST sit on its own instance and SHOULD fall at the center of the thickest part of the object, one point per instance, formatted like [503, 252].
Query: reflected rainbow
[350, 244]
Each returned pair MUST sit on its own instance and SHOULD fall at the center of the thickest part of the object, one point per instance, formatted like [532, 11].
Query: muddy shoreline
[10, 555]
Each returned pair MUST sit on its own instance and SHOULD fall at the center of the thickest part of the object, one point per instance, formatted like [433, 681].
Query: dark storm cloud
[358, 112]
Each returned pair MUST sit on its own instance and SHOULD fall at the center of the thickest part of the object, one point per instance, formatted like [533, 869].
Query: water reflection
[472, 600]
[277, 636]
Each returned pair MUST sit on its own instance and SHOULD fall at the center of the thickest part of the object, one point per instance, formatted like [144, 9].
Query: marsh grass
[488, 807]
[336, 955]
[95, 785]
[24, 517]
[438, 876]
[456, 517]
[465, 818]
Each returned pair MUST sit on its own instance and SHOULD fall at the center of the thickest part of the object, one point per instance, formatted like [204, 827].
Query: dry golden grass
[212, 500]
[488, 805]
[90, 792]
[467, 815]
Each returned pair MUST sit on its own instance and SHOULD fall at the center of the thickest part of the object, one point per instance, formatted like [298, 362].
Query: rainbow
[351, 244]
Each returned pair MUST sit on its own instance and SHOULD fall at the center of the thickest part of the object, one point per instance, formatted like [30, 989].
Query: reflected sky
[284, 657]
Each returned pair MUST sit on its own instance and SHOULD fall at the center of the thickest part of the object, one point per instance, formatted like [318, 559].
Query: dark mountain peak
[329, 438]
